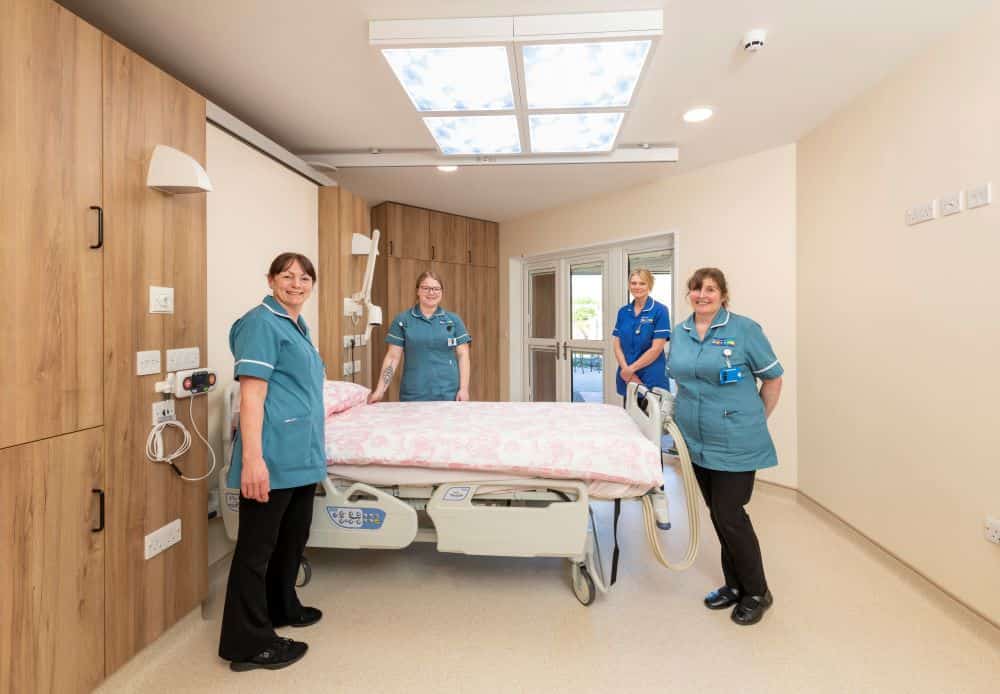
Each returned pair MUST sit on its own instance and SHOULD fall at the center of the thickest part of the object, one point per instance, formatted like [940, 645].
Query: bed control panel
[356, 518]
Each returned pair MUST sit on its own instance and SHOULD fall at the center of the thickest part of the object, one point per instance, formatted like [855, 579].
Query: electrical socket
[348, 368]
[993, 530]
[147, 362]
[950, 204]
[359, 341]
[977, 196]
[163, 411]
[183, 358]
[162, 538]
[922, 213]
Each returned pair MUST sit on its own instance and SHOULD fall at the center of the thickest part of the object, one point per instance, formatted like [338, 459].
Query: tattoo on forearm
[387, 375]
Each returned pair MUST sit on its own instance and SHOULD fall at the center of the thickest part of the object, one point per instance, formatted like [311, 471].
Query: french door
[567, 328]
[571, 302]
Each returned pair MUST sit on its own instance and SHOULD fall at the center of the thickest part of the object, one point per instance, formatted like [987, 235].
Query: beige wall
[739, 216]
[898, 326]
[257, 209]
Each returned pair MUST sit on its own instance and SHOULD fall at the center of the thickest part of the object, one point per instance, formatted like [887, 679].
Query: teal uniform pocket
[288, 440]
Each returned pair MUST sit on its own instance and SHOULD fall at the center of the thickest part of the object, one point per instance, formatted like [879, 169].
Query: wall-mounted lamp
[174, 172]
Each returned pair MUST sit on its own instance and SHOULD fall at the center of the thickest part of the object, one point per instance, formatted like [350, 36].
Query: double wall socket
[359, 340]
[922, 213]
[147, 362]
[162, 538]
[977, 196]
[183, 358]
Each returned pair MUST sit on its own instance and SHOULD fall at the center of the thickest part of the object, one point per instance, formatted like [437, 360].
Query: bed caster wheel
[583, 585]
[305, 573]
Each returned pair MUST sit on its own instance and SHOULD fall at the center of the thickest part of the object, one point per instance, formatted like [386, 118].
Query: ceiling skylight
[475, 134]
[583, 75]
[574, 132]
[474, 78]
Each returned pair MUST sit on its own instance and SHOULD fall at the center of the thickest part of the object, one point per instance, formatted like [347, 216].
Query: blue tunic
[430, 365]
[636, 335]
[267, 344]
[724, 426]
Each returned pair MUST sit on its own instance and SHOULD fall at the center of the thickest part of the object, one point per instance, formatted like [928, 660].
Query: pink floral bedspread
[520, 439]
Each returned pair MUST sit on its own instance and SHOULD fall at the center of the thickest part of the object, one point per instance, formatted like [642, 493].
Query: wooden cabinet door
[449, 238]
[483, 242]
[483, 323]
[50, 175]
[454, 278]
[407, 231]
[52, 565]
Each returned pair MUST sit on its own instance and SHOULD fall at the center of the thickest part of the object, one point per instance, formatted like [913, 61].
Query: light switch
[147, 362]
[161, 299]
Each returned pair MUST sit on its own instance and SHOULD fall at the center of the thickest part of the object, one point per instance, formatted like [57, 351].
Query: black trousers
[726, 493]
[261, 588]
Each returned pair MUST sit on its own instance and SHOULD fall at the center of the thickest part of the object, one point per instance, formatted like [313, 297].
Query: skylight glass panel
[574, 132]
[583, 75]
[475, 78]
[475, 134]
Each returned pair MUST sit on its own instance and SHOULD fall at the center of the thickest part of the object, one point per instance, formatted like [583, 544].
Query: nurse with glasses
[435, 344]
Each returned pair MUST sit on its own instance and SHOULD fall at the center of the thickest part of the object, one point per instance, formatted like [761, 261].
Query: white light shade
[172, 171]
[475, 134]
[448, 169]
[574, 132]
[697, 115]
[583, 75]
[475, 78]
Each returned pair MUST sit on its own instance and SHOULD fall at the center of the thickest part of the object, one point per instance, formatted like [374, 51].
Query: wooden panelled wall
[79, 118]
[463, 252]
[341, 215]
[150, 239]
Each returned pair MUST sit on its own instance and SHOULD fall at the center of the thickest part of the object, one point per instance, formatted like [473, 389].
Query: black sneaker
[281, 653]
[307, 617]
[751, 608]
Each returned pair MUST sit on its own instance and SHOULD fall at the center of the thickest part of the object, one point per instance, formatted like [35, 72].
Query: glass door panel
[543, 305]
[587, 376]
[661, 264]
[542, 376]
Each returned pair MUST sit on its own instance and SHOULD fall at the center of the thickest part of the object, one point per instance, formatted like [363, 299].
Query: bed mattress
[437, 442]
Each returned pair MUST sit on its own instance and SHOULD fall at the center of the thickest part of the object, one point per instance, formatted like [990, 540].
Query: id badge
[730, 375]
[453, 342]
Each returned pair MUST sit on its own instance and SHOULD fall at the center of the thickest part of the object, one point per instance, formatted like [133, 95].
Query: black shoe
[307, 617]
[721, 598]
[752, 608]
[281, 653]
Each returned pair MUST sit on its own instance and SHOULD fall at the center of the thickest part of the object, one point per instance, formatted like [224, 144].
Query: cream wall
[899, 429]
[258, 209]
[738, 216]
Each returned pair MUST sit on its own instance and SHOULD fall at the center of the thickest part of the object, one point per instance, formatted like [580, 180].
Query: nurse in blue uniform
[717, 358]
[434, 346]
[642, 329]
[278, 457]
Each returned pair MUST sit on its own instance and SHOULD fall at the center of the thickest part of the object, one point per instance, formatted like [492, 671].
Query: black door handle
[100, 496]
[100, 227]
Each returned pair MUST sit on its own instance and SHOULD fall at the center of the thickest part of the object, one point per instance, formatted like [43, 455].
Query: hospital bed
[491, 479]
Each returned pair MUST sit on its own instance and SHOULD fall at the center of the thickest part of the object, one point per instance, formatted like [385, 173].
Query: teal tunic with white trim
[269, 345]
[724, 426]
[430, 364]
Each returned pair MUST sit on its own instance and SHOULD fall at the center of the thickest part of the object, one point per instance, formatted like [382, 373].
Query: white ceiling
[302, 73]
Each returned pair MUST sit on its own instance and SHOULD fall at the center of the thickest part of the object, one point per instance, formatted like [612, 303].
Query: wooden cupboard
[459, 249]
[83, 238]
[50, 183]
[52, 565]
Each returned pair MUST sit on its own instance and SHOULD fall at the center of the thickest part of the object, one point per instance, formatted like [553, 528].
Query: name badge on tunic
[730, 375]
[453, 342]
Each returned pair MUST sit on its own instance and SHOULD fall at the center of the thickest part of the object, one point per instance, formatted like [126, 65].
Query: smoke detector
[753, 40]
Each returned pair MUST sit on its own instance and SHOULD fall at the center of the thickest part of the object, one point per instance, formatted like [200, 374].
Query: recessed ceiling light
[697, 115]
[574, 132]
[475, 134]
[583, 75]
[473, 78]
[448, 169]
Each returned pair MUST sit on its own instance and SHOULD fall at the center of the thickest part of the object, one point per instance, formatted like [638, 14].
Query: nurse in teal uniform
[434, 346]
[278, 457]
[717, 358]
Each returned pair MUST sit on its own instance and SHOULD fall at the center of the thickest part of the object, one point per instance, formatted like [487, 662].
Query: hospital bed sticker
[354, 518]
[457, 493]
